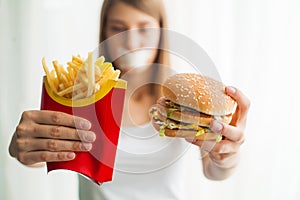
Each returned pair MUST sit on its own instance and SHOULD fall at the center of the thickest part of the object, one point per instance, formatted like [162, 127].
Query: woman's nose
[132, 40]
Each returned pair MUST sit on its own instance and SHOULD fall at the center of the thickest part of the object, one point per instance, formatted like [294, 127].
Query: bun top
[201, 93]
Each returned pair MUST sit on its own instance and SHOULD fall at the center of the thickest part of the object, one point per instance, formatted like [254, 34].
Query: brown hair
[154, 8]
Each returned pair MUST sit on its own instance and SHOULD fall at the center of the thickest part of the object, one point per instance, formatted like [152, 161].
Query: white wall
[254, 44]
[30, 30]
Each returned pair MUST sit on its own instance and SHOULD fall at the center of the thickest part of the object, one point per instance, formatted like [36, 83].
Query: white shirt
[147, 166]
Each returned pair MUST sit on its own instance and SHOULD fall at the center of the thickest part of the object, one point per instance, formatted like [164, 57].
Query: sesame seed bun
[201, 93]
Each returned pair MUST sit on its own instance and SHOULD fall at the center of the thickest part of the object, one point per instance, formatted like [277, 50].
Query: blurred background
[254, 44]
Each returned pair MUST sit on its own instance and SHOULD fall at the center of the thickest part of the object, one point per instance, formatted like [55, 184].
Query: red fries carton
[104, 110]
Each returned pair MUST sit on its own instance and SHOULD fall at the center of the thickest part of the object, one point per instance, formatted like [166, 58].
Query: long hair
[156, 9]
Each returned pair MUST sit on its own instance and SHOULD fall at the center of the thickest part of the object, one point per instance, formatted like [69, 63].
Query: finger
[226, 161]
[61, 132]
[60, 145]
[205, 145]
[225, 147]
[230, 132]
[56, 118]
[55, 145]
[222, 147]
[30, 158]
[219, 157]
[243, 102]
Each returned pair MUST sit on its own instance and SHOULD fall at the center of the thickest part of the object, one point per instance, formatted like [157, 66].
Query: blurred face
[138, 37]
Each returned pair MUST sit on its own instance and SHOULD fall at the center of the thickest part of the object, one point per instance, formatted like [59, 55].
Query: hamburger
[189, 103]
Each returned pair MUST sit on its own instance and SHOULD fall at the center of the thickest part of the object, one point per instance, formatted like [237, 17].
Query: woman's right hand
[49, 136]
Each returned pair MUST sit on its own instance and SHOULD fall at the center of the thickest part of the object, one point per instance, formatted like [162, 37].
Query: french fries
[81, 78]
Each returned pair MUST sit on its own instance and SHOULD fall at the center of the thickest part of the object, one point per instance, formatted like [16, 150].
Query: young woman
[147, 166]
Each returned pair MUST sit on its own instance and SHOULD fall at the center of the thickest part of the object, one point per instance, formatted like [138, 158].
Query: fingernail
[85, 124]
[86, 146]
[231, 90]
[216, 126]
[71, 155]
[90, 137]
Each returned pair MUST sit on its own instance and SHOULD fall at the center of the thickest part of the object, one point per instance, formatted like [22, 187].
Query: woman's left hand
[225, 153]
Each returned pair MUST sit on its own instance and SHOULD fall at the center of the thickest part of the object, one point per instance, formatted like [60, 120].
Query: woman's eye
[118, 29]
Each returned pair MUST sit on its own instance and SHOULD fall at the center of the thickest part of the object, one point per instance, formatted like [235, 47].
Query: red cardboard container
[104, 111]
